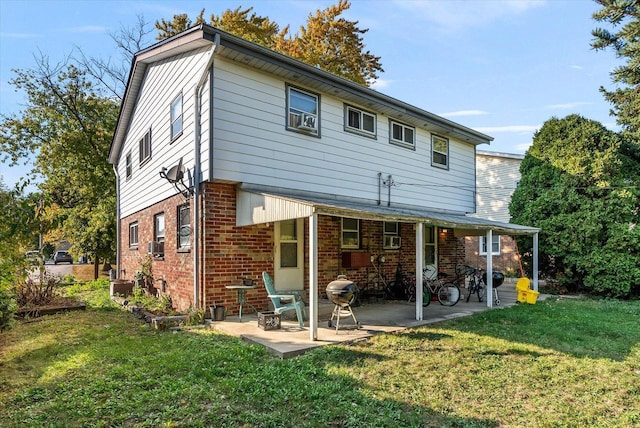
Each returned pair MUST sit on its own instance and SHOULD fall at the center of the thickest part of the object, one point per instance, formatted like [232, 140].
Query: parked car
[34, 256]
[62, 257]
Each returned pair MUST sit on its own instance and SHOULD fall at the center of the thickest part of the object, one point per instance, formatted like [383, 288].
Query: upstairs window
[145, 147]
[350, 233]
[128, 165]
[402, 135]
[176, 117]
[439, 151]
[184, 226]
[303, 111]
[360, 121]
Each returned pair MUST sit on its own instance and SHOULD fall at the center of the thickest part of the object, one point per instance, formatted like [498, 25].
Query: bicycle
[476, 283]
[448, 294]
[377, 285]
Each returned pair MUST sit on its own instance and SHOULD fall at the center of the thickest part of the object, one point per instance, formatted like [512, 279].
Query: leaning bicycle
[448, 294]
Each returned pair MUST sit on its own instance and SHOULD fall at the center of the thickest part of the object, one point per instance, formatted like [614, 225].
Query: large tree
[623, 16]
[328, 41]
[580, 183]
[67, 126]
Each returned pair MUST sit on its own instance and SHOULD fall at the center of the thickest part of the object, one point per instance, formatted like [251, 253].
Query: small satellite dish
[175, 173]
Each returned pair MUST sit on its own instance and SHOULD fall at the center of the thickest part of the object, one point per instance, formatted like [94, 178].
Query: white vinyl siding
[163, 81]
[251, 146]
[497, 177]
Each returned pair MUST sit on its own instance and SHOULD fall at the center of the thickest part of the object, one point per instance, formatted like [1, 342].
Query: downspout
[118, 265]
[197, 172]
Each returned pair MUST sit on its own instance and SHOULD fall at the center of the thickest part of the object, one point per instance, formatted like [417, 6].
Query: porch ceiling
[256, 206]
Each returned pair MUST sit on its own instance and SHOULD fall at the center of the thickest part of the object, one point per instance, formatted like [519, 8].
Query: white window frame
[184, 228]
[176, 114]
[358, 128]
[159, 227]
[128, 165]
[439, 153]
[133, 235]
[144, 146]
[482, 249]
[349, 230]
[293, 112]
[404, 141]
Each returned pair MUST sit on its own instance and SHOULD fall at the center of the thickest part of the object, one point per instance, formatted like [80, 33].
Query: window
[360, 121]
[158, 227]
[184, 226]
[302, 111]
[495, 247]
[128, 163]
[176, 117]
[439, 151]
[429, 246]
[402, 135]
[391, 238]
[145, 147]
[350, 233]
[133, 235]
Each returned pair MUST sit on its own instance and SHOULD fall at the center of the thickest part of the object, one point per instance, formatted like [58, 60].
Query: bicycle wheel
[426, 296]
[411, 293]
[448, 294]
[472, 289]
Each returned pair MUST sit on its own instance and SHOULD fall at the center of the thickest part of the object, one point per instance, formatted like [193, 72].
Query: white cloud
[508, 128]
[463, 113]
[577, 67]
[459, 14]
[88, 29]
[521, 148]
[568, 106]
[380, 84]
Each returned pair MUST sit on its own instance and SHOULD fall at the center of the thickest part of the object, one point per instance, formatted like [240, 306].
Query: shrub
[32, 293]
[8, 307]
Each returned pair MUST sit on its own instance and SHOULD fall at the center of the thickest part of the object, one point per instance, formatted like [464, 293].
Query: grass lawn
[572, 363]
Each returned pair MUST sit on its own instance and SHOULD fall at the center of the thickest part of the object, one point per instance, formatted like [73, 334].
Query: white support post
[535, 261]
[419, 268]
[313, 277]
[489, 242]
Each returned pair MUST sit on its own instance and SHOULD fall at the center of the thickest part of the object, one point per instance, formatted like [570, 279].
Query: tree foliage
[68, 127]
[580, 183]
[328, 41]
[623, 15]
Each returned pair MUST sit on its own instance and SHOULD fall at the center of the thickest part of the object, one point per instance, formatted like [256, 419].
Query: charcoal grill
[342, 293]
[498, 279]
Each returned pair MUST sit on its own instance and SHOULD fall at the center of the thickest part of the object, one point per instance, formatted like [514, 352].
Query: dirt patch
[85, 272]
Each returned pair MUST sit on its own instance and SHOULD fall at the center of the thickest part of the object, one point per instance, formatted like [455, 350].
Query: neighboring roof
[256, 205]
[499, 154]
[288, 68]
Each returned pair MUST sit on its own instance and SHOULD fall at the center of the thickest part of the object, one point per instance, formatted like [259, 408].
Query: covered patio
[259, 205]
[375, 318]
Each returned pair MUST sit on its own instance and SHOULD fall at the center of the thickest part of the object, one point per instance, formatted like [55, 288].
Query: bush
[8, 307]
[32, 293]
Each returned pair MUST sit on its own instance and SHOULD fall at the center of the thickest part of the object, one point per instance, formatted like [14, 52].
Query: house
[232, 159]
[497, 176]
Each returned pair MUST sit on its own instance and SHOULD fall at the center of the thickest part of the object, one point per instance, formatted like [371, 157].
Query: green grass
[557, 363]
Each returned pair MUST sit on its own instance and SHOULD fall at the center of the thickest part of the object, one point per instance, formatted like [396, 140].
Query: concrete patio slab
[375, 318]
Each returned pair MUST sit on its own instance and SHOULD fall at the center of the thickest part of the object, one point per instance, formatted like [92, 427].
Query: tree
[624, 15]
[68, 127]
[580, 183]
[328, 41]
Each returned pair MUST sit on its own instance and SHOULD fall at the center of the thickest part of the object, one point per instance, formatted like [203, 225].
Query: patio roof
[256, 206]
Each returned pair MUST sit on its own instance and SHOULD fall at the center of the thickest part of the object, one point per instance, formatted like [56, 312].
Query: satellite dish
[175, 173]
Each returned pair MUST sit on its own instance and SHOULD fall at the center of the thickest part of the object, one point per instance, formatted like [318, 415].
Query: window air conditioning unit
[306, 122]
[391, 242]
[156, 248]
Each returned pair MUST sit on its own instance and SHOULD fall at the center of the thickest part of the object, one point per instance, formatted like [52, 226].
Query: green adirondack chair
[284, 300]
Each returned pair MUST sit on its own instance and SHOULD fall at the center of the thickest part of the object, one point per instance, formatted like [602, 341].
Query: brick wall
[230, 253]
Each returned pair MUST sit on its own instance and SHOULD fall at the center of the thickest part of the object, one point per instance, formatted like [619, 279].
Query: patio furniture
[284, 300]
[242, 296]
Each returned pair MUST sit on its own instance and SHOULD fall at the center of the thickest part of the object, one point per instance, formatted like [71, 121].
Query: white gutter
[197, 172]
[118, 265]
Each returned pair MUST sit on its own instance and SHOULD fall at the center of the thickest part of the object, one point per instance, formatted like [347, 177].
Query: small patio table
[242, 296]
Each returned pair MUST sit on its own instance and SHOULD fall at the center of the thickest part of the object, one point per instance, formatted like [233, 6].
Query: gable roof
[288, 68]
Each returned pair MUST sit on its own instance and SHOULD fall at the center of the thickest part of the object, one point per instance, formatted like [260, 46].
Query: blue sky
[501, 67]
